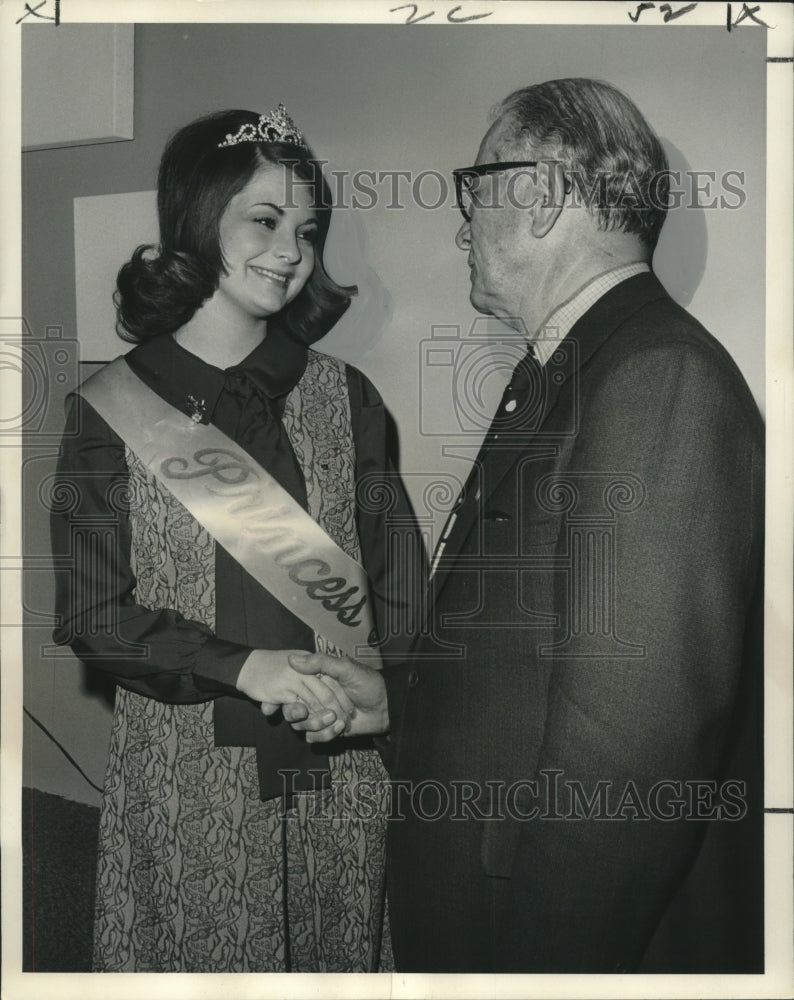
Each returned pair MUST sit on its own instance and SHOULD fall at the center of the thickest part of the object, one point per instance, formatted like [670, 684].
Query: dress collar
[192, 386]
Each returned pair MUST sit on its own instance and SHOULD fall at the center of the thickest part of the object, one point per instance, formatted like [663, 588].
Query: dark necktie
[520, 400]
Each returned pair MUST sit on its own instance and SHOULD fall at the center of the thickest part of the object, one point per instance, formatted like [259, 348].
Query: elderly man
[560, 740]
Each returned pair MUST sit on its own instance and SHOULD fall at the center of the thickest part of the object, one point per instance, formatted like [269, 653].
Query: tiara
[275, 126]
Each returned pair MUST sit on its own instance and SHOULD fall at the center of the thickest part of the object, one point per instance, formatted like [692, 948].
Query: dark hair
[160, 288]
[603, 140]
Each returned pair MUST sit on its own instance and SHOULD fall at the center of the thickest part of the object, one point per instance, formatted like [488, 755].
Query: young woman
[227, 843]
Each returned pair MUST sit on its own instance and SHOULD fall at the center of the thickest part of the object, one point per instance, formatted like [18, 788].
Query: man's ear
[547, 208]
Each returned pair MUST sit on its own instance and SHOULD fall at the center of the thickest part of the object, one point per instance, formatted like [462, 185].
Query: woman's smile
[279, 278]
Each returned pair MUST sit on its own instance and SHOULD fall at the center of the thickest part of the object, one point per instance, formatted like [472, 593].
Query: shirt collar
[192, 386]
[560, 322]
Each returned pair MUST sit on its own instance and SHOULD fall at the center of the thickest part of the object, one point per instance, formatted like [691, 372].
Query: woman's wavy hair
[611, 153]
[160, 288]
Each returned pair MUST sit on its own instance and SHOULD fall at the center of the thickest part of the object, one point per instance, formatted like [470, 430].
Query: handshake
[320, 695]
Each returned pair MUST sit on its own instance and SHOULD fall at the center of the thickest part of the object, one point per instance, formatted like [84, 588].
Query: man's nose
[463, 237]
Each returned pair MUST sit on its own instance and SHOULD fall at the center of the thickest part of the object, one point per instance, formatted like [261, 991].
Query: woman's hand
[267, 677]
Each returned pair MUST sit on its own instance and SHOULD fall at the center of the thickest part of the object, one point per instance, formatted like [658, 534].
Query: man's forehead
[490, 147]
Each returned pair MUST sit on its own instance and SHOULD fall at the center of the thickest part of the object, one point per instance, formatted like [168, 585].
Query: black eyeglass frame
[480, 171]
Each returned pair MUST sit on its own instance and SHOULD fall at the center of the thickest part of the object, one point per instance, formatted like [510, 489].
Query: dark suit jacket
[563, 737]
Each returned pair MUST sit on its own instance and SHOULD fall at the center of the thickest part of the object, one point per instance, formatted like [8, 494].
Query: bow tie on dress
[259, 429]
[258, 412]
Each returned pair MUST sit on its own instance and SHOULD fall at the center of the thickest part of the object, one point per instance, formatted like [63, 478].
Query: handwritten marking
[746, 12]
[668, 14]
[462, 20]
[33, 12]
[671, 15]
[643, 6]
[414, 17]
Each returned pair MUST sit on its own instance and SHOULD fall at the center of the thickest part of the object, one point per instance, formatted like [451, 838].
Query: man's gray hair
[612, 156]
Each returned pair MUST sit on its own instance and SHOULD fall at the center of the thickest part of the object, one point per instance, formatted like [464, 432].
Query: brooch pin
[197, 409]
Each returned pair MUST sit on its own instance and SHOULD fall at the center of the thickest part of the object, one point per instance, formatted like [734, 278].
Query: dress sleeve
[392, 548]
[156, 652]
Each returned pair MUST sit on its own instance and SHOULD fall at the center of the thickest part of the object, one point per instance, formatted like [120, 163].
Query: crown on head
[275, 126]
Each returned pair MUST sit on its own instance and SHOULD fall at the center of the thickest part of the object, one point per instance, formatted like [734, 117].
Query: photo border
[779, 785]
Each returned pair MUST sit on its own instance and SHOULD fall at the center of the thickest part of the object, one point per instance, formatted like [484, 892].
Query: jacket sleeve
[152, 651]
[586, 894]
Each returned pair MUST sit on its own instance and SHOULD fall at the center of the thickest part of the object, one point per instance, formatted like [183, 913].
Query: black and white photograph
[396, 508]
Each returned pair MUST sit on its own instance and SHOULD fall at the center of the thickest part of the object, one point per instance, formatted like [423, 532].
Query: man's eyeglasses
[467, 177]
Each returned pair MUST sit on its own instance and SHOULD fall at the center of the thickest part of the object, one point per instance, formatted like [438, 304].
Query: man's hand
[361, 684]
[267, 677]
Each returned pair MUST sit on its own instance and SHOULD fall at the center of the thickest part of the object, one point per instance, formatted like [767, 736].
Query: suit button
[413, 679]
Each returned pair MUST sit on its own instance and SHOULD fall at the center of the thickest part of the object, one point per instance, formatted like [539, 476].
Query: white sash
[243, 507]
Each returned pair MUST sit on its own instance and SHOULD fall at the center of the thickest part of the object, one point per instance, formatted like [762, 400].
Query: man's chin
[480, 302]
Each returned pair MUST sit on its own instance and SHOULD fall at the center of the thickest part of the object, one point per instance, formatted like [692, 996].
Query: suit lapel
[501, 451]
